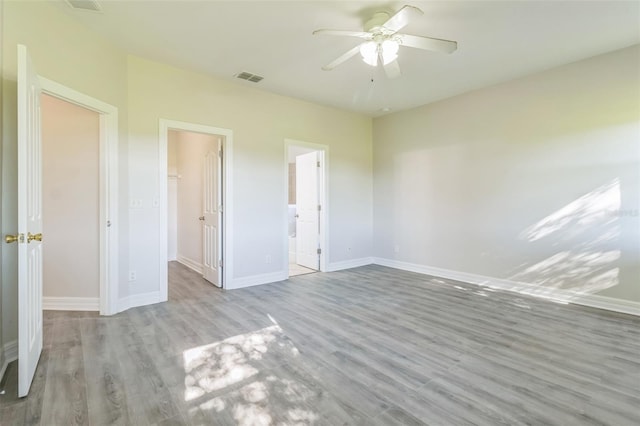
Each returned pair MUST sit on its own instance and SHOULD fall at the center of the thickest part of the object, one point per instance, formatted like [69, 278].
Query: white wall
[534, 180]
[260, 122]
[65, 51]
[70, 163]
[191, 150]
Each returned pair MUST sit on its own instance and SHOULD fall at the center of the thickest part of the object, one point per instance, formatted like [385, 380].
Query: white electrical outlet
[396, 249]
[132, 276]
[267, 259]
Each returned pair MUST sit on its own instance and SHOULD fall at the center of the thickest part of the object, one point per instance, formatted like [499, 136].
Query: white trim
[227, 196]
[260, 279]
[142, 299]
[71, 303]
[190, 263]
[108, 183]
[10, 354]
[11, 350]
[3, 369]
[558, 295]
[348, 264]
[608, 303]
[324, 202]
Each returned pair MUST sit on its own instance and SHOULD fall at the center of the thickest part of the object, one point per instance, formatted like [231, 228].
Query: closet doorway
[195, 200]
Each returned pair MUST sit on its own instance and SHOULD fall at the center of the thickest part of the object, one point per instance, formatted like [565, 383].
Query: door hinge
[319, 251]
[319, 207]
[220, 263]
[318, 164]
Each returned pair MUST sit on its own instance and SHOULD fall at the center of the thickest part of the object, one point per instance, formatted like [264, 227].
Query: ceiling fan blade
[344, 57]
[392, 69]
[359, 34]
[401, 18]
[427, 43]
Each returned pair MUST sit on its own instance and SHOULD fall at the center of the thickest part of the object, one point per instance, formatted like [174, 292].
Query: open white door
[307, 211]
[212, 217]
[29, 222]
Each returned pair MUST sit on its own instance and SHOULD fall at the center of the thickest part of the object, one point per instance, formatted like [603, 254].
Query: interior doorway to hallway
[70, 204]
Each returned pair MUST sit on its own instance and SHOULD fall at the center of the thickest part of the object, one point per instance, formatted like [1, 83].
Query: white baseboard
[252, 280]
[348, 264]
[71, 303]
[142, 299]
[608, 303]
[10, 350]
[191, 264]
[565, 296]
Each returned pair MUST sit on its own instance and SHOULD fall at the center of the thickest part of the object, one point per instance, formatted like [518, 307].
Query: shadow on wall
[586, 237]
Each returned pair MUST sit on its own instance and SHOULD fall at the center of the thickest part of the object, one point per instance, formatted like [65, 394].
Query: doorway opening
[80, 183]
[195, 204]
[306, 207]
[70, 205]
[194, 172]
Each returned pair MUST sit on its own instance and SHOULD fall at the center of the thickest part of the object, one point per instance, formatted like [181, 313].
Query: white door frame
[323, 196]
[108, 188]
[227, 208]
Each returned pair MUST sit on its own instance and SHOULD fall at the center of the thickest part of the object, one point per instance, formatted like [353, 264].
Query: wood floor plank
[366, 346]
[65, 397]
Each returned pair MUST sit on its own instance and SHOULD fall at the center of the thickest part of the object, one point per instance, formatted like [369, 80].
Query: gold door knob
[11, 238]
[31, 237]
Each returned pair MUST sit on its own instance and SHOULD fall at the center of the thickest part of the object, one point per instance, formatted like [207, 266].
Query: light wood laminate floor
[366, 346]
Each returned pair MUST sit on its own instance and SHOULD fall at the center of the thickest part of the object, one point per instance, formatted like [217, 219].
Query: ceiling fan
[382, 41]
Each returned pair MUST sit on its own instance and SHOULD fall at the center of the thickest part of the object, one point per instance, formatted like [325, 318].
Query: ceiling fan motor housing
[376, 23]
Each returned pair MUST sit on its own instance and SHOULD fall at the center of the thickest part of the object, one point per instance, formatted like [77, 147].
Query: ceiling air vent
[249, 76]
[90, 5]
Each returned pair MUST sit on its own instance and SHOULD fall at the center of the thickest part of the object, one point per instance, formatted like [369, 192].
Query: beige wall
[534, 180]
[191, 150]
[260, 122]
[292, 183]
[65, 51]
[70, 154]
[172, 195]
[172, 152]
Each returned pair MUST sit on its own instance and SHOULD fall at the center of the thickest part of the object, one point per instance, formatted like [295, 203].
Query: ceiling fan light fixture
[389, 50]
[369, 52]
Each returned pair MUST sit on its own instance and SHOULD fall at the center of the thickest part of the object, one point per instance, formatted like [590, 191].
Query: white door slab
[307, 210]
[212, 217]
[29, 222]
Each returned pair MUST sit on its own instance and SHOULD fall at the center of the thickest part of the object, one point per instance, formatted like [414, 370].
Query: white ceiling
[497, 41]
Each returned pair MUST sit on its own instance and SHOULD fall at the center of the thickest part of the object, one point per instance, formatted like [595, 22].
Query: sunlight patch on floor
[244, 379]
[218, 365]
